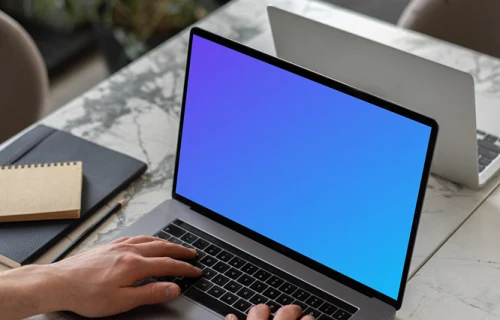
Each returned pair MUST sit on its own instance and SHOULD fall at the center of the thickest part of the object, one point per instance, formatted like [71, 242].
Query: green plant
[139, 25]
[146, 18]
[143, 18]
[132, 26]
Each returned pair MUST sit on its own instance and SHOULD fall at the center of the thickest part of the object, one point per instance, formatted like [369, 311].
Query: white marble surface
[462, 280]
[136, 111]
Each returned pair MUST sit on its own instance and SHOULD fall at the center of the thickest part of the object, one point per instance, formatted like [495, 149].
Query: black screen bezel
[336, 86]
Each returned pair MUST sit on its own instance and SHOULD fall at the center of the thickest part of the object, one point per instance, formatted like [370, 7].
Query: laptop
[468, 146]
[287, 184]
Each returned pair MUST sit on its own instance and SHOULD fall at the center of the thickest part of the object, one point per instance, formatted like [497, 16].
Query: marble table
[462, 279]
[136, 111]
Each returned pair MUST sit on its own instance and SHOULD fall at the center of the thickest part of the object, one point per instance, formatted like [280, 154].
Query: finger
[152, 293]
[290, 312]
[122, 239]
[142, 239]
[308, 317]
[231, 317]
[160, 248]
[259, 312]
[161, 267]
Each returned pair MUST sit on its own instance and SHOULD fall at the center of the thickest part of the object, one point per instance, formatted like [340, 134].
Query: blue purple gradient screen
[321, 172]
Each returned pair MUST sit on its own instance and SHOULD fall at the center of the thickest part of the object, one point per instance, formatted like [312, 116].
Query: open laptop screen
[323, 173]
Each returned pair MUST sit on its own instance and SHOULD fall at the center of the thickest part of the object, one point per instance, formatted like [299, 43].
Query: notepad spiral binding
[39, 165]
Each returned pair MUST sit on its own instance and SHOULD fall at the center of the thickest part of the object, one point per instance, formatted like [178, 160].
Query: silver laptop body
[267, 263]
[467, 149]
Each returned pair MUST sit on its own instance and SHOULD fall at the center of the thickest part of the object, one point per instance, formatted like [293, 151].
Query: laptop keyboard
[234, 281]
[488, 149]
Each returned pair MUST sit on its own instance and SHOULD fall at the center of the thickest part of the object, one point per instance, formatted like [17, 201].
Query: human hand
[99, 282]
[262, 312]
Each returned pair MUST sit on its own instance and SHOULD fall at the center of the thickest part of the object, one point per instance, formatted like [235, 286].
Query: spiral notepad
[40, 191]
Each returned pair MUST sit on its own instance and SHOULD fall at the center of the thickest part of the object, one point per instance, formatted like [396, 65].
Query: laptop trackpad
[178, 309]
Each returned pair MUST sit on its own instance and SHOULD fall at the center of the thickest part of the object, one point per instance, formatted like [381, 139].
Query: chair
[23, 79]
[474, 24]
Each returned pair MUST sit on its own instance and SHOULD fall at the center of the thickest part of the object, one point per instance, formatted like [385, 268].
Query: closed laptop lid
[323, 173]
[437, 91]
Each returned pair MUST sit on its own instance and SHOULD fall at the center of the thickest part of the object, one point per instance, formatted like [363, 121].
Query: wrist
[31, 290]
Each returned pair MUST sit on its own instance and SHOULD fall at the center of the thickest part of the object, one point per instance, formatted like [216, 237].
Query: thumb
[153, 293]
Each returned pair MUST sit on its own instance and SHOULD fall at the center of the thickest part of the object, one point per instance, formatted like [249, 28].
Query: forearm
[28, 291]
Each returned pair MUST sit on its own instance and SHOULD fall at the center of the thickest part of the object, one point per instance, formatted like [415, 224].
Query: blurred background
[83, 41]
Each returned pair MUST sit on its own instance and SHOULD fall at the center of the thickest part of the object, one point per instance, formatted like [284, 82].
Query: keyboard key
[301, 295]
[221, 267]
[484, 161]
[198, 265]
[234, 267]
[271, 293]
[187, 245]
[233, 286]
[262, 275]
[225, 256]
[237, 262]
[201, 244]
[314, 302]
[216, 291]
[489, 146]
[220, 280]
[242, 305]
[185, 283]
[485, 153]
[212, 303]
[313, 312]
[163, 235]
[481, 168]
[175, 240]
[288, 288]
[284, 299]
[274, 306]
[246, 280]
[258, 299]
[174, 230]
[249, 268]
[301, 304]
[204, 285]
[259, 286]
[246, 293]
[327, 308]
[341, 315]
[490, 138]
[208, 273]
[229, 298]
[200, 255]
[208, 261]
[343, 305]
[189, 238]
[233, 273]
[275, 282]
[481, 132]
[213, 250]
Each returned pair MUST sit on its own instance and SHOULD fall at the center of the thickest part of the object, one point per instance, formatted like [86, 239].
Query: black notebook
[105, 174]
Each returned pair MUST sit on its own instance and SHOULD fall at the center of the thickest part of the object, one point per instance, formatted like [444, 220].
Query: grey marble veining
[136, 111]
[462, 280]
